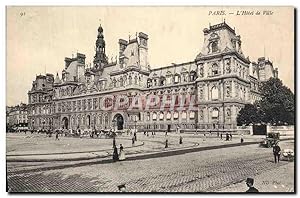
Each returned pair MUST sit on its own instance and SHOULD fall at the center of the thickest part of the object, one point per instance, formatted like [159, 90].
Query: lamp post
[135, 123]
[114, 121]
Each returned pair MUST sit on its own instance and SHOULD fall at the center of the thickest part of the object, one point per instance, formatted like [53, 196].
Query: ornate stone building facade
[40, 102]
[220, 79]
[16, 116]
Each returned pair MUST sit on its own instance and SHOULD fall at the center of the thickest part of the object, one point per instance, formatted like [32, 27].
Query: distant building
[40, 102]
[219, 78]
[16, 116]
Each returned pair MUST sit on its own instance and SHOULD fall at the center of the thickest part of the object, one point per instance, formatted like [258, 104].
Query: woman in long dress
[122, 153]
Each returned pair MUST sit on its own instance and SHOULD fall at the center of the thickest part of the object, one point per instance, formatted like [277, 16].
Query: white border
[3, 3]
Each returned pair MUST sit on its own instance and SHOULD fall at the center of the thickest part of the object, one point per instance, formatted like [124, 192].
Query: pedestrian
[218, 134]
[227, 137]
[56, 136]
[135, 137]
[122, 153]
[242, 138]
[144, 132]
[221, 136]
[132, 141]
[230, 136]
[204, 135]
[114, 142]
[147, 134]
[115, 154]
[276, 152]
[166, 134]
[249, 183]
[166, 145]
[180, 140]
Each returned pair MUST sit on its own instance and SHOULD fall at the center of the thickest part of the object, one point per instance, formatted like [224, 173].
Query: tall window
[215, 113]
[215, 69]
[130, 80]
[183, 115]
[169, 115]
[169, 79]
[161, 116]
[154, 116]
[149, 83]
[162, 81]
[193, 75]
[175, 116]
[121, 82]
[214, 46]
[192, 115]
[214, 93]
[176, 78]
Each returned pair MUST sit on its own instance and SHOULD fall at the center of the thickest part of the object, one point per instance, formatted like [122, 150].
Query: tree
[277, 106]
[277, 103]
[248, 115]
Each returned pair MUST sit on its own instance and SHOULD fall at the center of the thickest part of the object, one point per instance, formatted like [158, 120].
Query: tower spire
[100, 57]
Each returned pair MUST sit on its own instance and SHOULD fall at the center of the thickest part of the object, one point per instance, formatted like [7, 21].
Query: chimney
[67, 62]
[122, 46]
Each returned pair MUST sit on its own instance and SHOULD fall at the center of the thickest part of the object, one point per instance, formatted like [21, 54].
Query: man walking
[166, 145]
[56, 136]
[115, 154]
[135, 138]
[180, 140]
[249, 183]
[276, 152]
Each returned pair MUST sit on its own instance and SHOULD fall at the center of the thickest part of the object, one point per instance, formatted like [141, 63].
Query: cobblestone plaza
[208, 164]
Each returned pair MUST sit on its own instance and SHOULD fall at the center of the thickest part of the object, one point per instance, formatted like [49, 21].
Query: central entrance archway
[65, 123]
[119, 120]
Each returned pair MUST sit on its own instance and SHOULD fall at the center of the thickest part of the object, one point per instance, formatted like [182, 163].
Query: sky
[39, 38]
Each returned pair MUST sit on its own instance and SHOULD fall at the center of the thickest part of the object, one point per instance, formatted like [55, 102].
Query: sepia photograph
[150, 99]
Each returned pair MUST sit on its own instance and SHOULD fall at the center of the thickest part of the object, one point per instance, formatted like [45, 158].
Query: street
[209, 170]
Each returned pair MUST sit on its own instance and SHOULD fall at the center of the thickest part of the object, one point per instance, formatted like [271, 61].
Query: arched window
[183, 115]
[161, 116]
[214, 46]
[168, 115]
[192, 115]
[148, 116]
[154, 116]
[214, 93]
[175, 115]
[215, 113]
